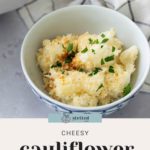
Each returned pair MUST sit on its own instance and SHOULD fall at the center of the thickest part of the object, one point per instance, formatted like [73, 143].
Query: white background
[17, 132]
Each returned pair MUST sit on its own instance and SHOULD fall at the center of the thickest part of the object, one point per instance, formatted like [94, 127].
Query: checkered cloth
[137, 10]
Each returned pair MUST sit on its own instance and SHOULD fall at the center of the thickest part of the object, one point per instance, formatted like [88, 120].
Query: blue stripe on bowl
[64, 109]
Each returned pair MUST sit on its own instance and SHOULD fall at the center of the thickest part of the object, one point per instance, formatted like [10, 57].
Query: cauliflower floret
[110, 33]
[48, 55]
[97, 47]
[128, 57]
[73, 83]
[115, 82]
[54, 50]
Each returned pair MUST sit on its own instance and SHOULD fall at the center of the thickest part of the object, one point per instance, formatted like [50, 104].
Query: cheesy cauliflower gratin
[87, 70]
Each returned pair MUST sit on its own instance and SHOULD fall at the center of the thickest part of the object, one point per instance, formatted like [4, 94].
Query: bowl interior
[78, 20]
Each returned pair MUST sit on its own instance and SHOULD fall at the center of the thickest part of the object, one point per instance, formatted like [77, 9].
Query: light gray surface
[16, 98]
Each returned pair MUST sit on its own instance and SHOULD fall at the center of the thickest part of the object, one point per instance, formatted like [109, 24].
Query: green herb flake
[102, 35]
[102, 61]
[58, 64]
[81, 70]
[102, 46]
[70, 47]
[113, 49]
[109, 58]
[96, 41]
[111, 69]
[52, 66]
[62, 71]
[84, 50]
[70, 57]
[68, 60]
[93, 51]
[95, 71]
[91, 41]
[127, 89]
[100, 86]
[104, 40]
[63, 46]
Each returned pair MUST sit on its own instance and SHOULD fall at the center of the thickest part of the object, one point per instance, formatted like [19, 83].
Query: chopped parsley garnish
[63, 46]
[102, 61]
[63, 71]
[95, 71]
[102, 46]
[102, 35]
[111, 69]
[100, 86]
[127, 89]
[81, 70]
[91, 41]
[109, 58]
[70, 57]
[84, 50]
[68, 60]
[70, 47]
[113, 49]
[96, 41]
[104, 40]
[93, 51]
[58, 64]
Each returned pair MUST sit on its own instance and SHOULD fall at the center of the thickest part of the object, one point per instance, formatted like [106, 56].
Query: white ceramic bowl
[77, 20]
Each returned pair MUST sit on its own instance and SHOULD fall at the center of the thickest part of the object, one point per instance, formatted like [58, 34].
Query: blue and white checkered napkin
[137, 10]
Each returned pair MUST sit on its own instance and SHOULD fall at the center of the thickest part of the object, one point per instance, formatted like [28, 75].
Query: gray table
[16, 98]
